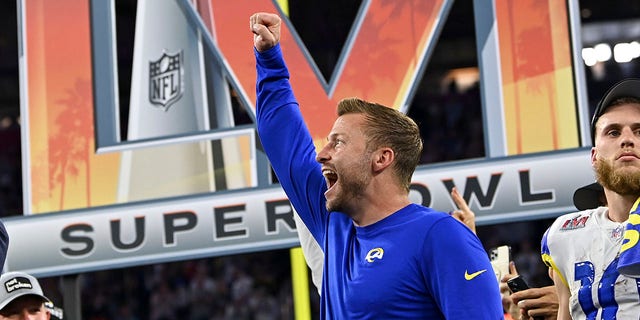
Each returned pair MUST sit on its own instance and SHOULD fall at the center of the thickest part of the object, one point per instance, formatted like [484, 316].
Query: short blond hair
[387, 127]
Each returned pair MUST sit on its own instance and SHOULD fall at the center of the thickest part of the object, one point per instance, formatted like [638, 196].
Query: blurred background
[258, 286]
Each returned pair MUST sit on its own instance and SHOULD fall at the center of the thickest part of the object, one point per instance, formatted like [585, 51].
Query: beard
[623, 182]
[351, 187]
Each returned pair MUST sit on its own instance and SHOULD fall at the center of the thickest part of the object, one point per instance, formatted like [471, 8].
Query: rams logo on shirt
[375, 253]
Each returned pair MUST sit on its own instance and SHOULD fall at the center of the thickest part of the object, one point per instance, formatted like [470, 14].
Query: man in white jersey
[582, 248]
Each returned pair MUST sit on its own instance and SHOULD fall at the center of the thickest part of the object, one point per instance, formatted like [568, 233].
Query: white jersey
[582, 247]
[313, 254]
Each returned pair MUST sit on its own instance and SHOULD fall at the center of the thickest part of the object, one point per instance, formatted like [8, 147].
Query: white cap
[18, 284]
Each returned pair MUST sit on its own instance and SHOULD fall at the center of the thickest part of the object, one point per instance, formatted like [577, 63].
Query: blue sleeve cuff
[269, 57]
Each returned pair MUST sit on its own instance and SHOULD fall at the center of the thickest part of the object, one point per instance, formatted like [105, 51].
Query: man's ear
[383, 158]
[594, 156]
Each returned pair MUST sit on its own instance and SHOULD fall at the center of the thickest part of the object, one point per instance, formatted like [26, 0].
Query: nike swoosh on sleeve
[468, 276]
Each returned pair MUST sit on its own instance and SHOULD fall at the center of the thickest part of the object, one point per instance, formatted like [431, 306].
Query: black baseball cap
[625, 88]
[588, 197]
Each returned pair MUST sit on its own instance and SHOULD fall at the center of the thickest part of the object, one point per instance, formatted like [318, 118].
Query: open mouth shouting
[331, 177]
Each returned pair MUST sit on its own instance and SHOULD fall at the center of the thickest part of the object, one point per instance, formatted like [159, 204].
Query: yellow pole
[300, 281]
[284, 6]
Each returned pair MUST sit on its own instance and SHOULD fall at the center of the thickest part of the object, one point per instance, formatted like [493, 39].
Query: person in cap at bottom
[21, 297]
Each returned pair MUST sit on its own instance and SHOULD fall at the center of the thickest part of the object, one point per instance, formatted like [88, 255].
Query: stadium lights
[622, 52]
[635, 49]
[589, 56]
[603, 52]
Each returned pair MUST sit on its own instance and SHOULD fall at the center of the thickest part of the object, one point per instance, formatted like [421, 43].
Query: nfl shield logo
[165, 80]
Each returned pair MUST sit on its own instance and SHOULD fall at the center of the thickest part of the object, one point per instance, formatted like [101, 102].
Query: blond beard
[619, 182]
[353, 187]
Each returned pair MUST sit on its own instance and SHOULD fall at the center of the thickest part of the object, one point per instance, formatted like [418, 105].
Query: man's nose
[628, 138]
[323, 155]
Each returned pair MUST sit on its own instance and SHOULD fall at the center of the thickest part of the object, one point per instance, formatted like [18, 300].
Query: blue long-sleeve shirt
[415, 264]
[4, 244]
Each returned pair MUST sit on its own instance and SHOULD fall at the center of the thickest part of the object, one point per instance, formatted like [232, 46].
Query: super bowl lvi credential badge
[629, 260]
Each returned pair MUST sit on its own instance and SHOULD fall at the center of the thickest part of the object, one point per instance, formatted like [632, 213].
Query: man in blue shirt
[384, 257]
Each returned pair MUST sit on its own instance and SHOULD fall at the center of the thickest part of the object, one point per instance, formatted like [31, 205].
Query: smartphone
[500, 258]
[517, 283]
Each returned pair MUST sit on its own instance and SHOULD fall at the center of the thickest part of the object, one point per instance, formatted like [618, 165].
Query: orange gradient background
[65, 171]
[537, 75]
